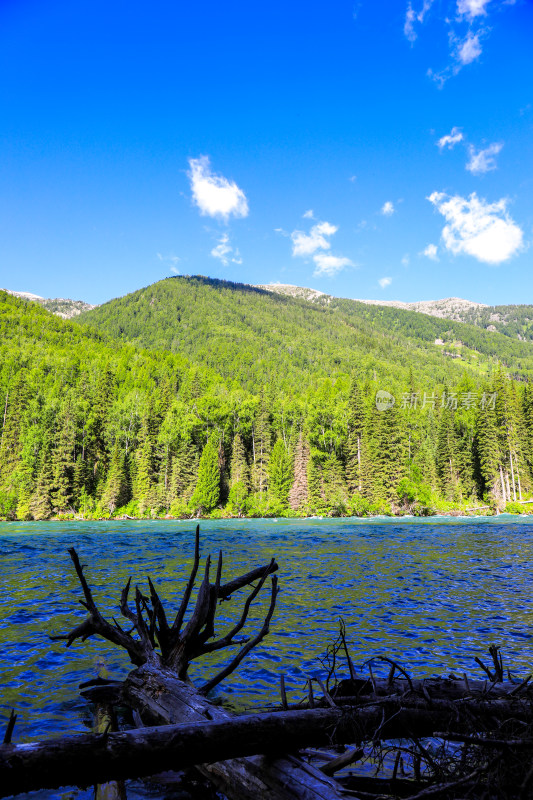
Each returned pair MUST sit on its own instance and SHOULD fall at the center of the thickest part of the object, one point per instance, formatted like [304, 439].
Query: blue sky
[366, 149]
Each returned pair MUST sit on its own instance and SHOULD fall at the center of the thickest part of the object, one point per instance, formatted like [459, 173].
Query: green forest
[195, 397]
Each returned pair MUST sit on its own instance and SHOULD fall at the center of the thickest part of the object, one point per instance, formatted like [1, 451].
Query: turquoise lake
[430, 593]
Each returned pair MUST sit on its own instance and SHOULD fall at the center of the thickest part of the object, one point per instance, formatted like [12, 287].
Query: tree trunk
[226, 747]
[161, 698]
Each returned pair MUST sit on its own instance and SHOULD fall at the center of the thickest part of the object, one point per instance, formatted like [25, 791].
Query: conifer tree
[314, 482]
[354, 439]
[116, 492]
[299, 493]
[262, 439]
[487, 453]
[386, 453]
[184, 471]
[207, 492]
[79, 479]
[63, 461]
[447, 455]
[146, 468]
[280, 474]
[40, 505]
[239, 477]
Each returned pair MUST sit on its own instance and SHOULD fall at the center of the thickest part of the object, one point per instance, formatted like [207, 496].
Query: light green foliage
[261, 416]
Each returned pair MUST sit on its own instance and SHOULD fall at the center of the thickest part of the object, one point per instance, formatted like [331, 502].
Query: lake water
[431, 593]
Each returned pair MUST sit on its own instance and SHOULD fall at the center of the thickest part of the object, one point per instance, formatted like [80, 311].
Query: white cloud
[305, 244]
[225, 252]
[472, 8]
[384, 282]
[329, 265]
[352, 178]
[411, 16]
[171, 262]
[308, 214]
[409, 24]
[387, 209]
[406, 260]
[215, 195]
[431, 252]
[483, 160]
[469, 49]
[477, 228]
[451, 139]
[314, 244]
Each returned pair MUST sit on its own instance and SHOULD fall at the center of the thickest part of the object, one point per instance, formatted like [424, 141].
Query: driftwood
[97, 758]
[163, 650]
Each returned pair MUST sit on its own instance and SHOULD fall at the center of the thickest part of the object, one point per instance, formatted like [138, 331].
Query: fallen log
[221, 744]
[164, 649]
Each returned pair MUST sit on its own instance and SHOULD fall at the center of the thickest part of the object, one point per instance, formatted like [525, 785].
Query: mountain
[62, 307]
[515, 321]
[195, 396]
[254, 335]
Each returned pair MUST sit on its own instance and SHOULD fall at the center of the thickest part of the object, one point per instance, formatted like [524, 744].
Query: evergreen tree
[145, 491]
[262, 438]
[184, 470]
[63, 461]
[447, 456]
[280, 473]
[299, 493]
[40, 505]
[487, 454]
[207, 492]
[354, 439]
[79, 480]
[116, 492]
[386, 454]
[239, 487]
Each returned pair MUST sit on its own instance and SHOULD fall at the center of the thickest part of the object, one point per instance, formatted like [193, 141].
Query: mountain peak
[60, 306]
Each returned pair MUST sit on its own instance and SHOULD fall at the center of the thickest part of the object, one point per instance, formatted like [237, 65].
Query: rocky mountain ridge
[60, 306]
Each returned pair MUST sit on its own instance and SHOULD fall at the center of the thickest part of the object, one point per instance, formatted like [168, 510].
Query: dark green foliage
[354, 439]
[280, 475]
[116, 492]
[94, 426]
[207, 493]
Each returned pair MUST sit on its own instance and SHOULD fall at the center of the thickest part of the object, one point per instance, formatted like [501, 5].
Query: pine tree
[63, 461]
[447, 456]
[184, 470]
[145, 491]
[280, 475]
[79, 480]
[262, 440]
[354, 439]
[386, 454]
[299, 493]
[487, 455]
[239, 483]
[116, 492]
[207, 492]
[40, 505]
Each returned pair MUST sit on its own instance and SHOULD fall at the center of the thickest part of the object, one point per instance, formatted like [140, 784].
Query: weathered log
[165, 650]
[88, 758]
[225, 746]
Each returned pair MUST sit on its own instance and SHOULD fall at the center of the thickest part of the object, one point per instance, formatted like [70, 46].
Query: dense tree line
[95, 428]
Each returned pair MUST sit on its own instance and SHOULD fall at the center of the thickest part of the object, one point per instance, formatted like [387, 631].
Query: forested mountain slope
[257, 336]
[515, 321]
[358, 421]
